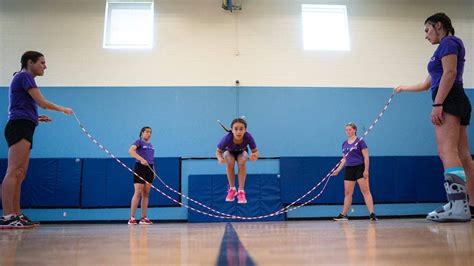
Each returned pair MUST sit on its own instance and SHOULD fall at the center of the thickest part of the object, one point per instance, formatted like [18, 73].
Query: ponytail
[443, 19]
[222, 125]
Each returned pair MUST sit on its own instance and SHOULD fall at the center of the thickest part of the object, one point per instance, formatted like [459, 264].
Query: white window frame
[321, 35]
[109, 43]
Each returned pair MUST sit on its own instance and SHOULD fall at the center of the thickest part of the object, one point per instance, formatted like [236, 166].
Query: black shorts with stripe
[457, 103]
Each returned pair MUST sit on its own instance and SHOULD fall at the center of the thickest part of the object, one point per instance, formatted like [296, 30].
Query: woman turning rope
[356, 161]
[450, 117]
[23, 118]
[144, 153]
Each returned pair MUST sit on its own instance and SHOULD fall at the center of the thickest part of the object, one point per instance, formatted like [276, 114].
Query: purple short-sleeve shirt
[355, 157]
[145, 150]
[227, 143]
[22, 105]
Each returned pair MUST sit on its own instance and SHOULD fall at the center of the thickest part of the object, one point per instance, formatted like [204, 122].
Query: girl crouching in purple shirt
[233, 148]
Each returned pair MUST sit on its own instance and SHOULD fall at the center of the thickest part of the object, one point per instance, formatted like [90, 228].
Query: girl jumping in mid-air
[232, 148]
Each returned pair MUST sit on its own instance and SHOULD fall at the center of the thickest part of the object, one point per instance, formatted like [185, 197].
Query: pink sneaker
[241, 197]
[231, 193]
[132, 221]
[145, 221]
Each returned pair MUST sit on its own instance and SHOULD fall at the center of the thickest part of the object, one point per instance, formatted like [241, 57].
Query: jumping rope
[230, 216]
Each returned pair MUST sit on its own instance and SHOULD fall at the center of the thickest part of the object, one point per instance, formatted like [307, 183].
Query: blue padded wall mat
[106, 183]
[50, 183]
[393, 179]
[262, 190]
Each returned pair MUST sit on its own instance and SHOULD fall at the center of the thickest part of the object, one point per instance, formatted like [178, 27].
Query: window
[325, 27]
[128, 25]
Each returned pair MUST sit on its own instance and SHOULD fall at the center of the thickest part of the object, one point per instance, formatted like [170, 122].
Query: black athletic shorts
[457, 103]
[145, 172]
[237, 153]
[19, 129]
[353, 173]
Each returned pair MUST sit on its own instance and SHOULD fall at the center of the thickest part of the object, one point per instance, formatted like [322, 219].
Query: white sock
[233, 188]
[8, 217]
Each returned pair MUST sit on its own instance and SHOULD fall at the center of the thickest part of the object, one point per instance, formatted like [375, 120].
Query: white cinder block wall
[199, 44]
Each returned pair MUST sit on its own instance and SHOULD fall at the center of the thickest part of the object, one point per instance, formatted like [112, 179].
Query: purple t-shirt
[355, 157]
[448, 45]
[22, 105]
[227, 143]
[145, 150]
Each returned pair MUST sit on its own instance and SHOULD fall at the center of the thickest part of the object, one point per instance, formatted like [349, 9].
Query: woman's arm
[45, 104]
[339, 168]
[254, 155]
[447, 80]
[220, 159]
[365, 153]
[423, 86]
[133, 152]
